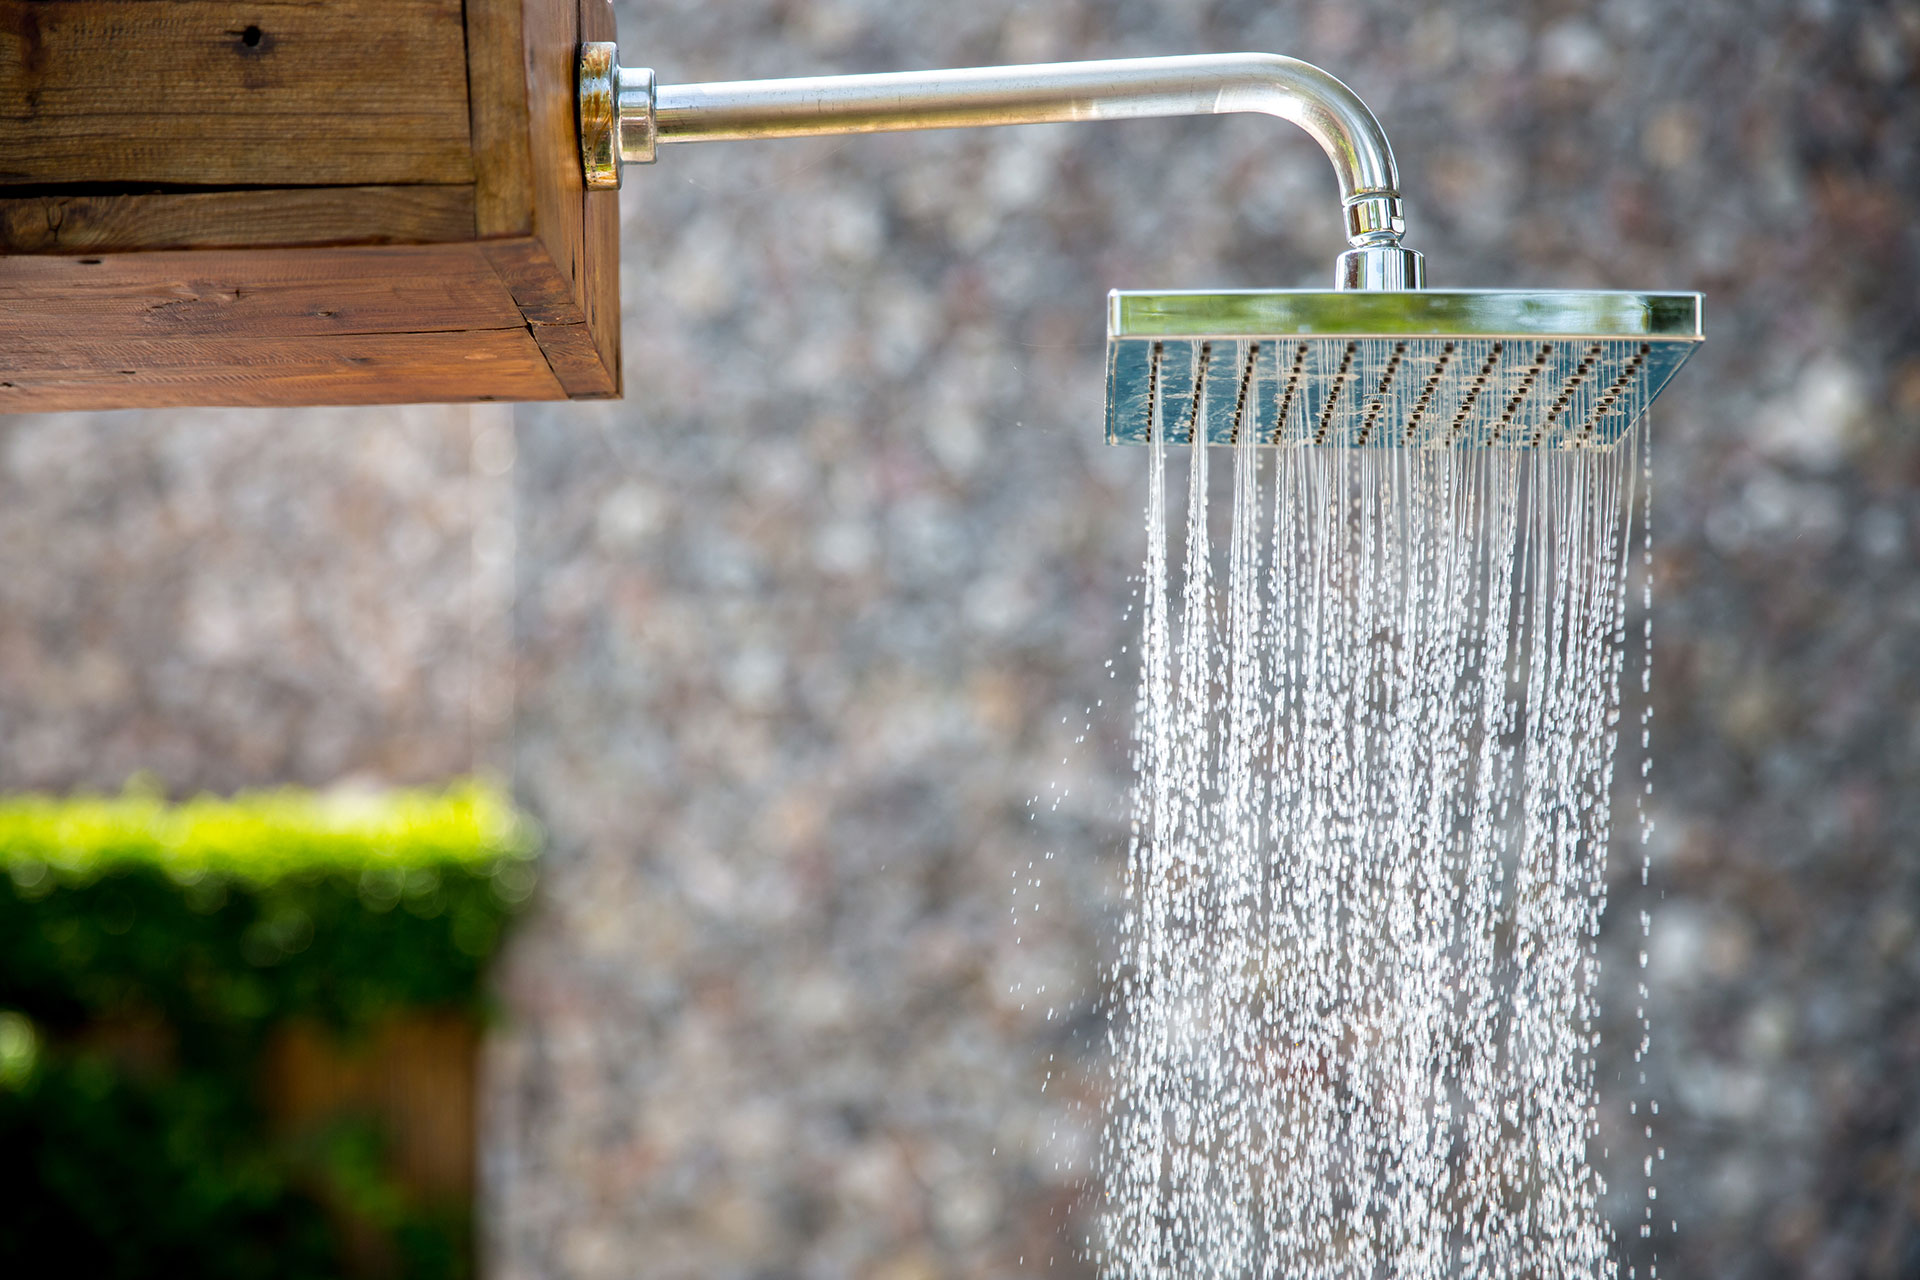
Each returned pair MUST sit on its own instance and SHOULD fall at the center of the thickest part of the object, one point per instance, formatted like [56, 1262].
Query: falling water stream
[1357, 1000]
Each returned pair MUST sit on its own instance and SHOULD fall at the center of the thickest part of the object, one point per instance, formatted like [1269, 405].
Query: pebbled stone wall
[809, 634]
[233, 598]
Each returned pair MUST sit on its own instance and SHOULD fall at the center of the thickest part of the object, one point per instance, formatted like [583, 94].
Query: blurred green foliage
[148, 952]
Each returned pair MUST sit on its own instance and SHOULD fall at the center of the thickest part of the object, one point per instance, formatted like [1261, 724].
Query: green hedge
[200, 928]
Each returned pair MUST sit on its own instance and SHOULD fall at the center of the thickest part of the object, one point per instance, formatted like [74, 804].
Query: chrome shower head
[1416, 368]
[1380, 361]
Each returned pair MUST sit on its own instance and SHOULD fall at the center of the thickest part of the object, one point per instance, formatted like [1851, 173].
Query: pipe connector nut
[616, 114]
[599, 113]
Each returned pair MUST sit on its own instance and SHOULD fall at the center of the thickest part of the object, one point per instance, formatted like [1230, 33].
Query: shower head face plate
[1466, 369]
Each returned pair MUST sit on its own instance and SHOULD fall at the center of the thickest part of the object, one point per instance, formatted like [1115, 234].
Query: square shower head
[1464, 368]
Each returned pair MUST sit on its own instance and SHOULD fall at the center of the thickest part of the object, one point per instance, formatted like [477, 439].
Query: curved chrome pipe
[625, 117]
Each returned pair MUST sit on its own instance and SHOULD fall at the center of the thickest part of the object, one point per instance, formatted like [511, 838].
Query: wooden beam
[556, 245]
[45, 376]
[502, 161]
[211, 93]
[82, 223]
[237, 295]
[256, 201]
[600, 269]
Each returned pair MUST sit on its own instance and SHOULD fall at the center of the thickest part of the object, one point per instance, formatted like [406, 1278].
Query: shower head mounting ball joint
[1378, 361]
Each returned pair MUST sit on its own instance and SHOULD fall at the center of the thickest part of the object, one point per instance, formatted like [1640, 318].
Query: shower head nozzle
[1474, 368]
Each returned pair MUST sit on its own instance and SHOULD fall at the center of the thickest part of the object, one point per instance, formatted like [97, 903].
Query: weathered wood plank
[282, 216]
[557, 321]
[208, 92]
[496, 75]
[545, 295]
[552, 63]
[576, 361]
[241, 295]
[566, 274]
[44, 375]
[428, 243]
[600, 267]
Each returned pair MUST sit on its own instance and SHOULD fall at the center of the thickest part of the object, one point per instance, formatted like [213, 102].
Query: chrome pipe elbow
[625, 117]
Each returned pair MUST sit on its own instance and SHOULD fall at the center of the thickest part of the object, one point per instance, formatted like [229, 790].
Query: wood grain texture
[496, 74]
[242, 295]
[600, 265]
[526, 265]
[54, 375]
[576, 360]
[347, 325]
[370, 232]
[565, 274]
[552, 44]
[213, 93]
[69, 223]
[546, 301]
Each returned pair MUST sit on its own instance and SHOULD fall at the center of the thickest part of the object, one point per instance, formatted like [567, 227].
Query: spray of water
[1356, 1009]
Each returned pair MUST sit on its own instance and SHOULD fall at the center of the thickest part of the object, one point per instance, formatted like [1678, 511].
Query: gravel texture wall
[801, 650]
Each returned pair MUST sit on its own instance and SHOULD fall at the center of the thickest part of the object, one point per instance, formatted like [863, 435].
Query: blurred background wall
[795, 649]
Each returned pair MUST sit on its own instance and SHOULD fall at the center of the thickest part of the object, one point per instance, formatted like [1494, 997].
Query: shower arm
[625, 117]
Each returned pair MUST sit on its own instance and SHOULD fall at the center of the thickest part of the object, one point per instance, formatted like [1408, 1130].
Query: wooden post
[414, 1074]
[281, 202]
